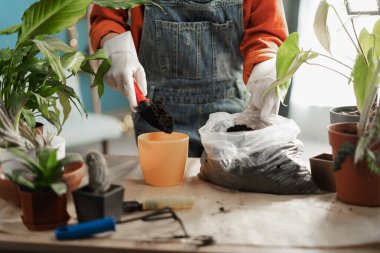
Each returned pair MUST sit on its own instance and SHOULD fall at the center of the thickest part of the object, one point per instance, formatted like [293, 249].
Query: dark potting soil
[357, 113]
[239, 128]
[351, 113]
[156, 115]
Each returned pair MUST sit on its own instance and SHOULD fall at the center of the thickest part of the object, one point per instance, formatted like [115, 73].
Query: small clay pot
[355, 183]
[42, 210]
[73, 174]
[39, 128]
[322, 172]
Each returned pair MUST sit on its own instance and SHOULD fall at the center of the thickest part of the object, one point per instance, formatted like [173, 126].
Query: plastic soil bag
[257, 156]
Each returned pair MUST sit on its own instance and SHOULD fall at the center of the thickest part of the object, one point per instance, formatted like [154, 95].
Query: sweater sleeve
[104, 21]
[264, 30]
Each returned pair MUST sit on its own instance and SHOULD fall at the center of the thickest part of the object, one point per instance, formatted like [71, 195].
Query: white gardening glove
[125, 67]
[261, 78]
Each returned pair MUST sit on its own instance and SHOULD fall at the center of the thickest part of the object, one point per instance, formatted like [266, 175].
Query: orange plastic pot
[355, 183]
[163, 157]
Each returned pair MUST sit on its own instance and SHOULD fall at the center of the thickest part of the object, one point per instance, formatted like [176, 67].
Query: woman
[193, 56]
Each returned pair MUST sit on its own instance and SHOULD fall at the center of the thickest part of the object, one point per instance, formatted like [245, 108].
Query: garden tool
[155, 203]
[89, 228]
[156, 115]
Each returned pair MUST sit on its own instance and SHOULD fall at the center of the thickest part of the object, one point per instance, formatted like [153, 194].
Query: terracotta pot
[73, 174]
[355, 183]
[9, 192]
[322, 172]
[39, 128]
[43, 210]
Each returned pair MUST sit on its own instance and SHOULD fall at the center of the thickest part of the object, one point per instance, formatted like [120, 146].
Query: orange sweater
[264, 29]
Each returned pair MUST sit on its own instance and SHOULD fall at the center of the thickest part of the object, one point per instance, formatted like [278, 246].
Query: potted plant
[354, 145]
[42, 190]
[100, 198]
[33, 74]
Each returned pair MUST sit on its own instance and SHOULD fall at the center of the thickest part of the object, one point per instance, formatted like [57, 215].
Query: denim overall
[192, 61]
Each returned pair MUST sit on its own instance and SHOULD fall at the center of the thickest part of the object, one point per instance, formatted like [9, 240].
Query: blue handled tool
[89, 228]
[85, 229]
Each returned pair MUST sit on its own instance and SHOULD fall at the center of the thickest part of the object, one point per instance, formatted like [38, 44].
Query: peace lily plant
[365, 75]
[33, 75]
[33, 78]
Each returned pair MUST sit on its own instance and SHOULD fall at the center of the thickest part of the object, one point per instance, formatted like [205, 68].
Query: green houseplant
[33, 82]
[33, 74]
[42, 190]
[357, 145]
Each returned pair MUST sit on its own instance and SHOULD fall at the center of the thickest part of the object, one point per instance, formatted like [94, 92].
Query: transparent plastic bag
[266, 159]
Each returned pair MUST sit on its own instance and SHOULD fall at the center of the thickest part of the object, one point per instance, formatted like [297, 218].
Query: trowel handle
[85, 229]
[139, 95]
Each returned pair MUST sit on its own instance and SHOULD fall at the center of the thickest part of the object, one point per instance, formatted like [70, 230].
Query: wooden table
[218, 212]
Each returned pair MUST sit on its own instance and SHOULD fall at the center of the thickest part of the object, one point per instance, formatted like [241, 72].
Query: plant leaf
[282, 84]
[29, 117]
[368, 89]
[69, 91]
[47, 90]
[10, 30]
[86, 67]
[98, 81]
[289, 59]
[58, 45]
[25, 159]
[376, 34]
[51, 57]
[50, 17]
[43, 104]
[65, 103]
[34, 66]
[320, 25]
[17, 177]
[54, 119]
[72, 61]
[100, 54]
[366, 41]
[359, 74]
[47, 159]
[120, 4]
[59, 188]
[287, 53]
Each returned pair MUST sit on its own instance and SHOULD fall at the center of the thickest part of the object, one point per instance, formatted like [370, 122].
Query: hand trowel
[157, 115]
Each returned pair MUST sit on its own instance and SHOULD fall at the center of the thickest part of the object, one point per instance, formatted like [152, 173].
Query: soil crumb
[239, 128]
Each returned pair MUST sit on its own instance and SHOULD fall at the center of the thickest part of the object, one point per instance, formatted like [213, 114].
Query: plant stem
[357, 39]
[344, 27]
[331, 58]
[320, 65]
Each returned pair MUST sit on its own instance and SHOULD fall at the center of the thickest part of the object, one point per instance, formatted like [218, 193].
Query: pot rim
[335, 108]
[352, 124]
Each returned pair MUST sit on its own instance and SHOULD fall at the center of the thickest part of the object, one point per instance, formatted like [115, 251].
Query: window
[315, 89]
